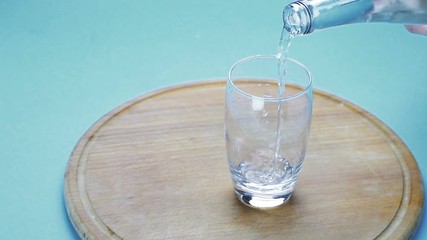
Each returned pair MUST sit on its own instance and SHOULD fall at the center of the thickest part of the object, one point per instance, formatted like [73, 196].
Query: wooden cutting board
[155, 168]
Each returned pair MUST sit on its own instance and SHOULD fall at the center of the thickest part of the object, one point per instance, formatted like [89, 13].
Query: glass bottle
[305, 16]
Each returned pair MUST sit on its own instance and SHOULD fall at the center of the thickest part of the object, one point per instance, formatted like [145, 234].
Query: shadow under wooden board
[156, 168]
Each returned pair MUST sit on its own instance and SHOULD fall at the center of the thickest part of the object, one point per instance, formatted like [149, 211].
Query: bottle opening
[297, 18]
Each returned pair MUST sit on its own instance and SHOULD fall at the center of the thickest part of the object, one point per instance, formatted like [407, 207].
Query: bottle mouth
[297, 18]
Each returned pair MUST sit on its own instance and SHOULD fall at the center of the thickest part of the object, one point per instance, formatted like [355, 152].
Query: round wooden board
[155, 168]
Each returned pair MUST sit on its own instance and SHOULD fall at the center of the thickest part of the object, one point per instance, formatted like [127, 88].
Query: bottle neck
[305, 16]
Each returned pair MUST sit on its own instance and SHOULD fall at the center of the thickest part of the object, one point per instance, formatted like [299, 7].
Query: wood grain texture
[155, 168]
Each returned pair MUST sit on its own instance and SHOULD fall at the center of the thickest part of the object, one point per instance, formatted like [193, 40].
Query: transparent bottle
[305, 16]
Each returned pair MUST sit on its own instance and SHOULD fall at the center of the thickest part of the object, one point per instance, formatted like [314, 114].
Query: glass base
[262, 202]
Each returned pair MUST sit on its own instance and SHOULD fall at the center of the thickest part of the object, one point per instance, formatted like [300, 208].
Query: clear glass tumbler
[267, 125]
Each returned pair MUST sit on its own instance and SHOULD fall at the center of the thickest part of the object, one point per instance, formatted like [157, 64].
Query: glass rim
[290, 97]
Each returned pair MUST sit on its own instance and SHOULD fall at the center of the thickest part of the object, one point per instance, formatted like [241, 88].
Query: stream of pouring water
[276, 176]
[282, 55]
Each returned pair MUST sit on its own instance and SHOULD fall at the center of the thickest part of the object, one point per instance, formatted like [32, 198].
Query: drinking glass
[267, 123]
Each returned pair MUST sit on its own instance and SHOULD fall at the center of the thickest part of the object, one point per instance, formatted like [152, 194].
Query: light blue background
[65, 63]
